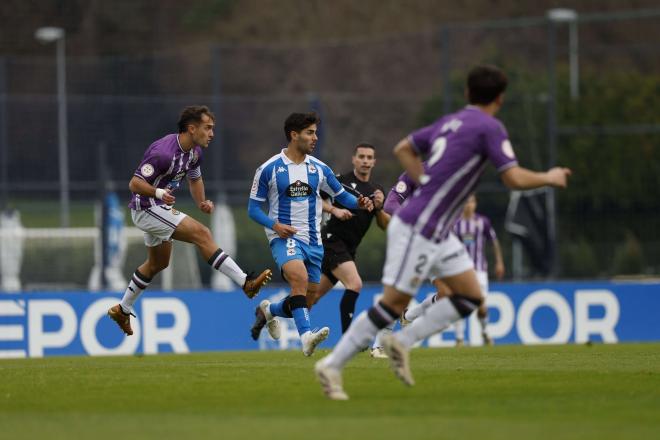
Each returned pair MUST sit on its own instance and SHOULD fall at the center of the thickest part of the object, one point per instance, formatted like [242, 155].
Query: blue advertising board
[75, 323]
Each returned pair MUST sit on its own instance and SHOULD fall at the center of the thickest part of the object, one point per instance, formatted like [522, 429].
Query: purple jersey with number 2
[164, 165]
[458, 147]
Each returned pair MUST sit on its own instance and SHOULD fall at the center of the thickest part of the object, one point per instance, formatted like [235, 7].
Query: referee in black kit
[344, 231]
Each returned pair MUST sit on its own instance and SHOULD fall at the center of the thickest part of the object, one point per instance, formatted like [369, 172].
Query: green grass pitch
[504, 392]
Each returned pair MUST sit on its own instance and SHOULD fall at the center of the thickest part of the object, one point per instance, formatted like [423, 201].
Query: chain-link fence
[376, 90]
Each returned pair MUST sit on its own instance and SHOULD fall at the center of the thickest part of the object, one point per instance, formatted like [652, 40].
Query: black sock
[347, 308]
[381, 315]
[286, 307]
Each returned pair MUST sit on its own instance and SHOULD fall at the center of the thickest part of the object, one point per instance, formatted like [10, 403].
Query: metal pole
[62, 133]
[101, 183]
[216, 108]
[574, 60]
[4, 147]
[552, 141]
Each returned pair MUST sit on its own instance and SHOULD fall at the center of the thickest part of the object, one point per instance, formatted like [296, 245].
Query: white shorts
[412, 258]
[482, 277]
[158, 223]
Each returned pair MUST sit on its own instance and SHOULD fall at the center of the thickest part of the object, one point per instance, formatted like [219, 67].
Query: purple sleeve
[421, 139]
[498, 147]
[399, 192]
[200, 156]
[392, 202]
[489, 232]
[195, 171]
[151, 166]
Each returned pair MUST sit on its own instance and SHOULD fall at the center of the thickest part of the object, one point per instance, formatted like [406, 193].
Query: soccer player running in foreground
[474, 230]
[419, 239]
[403, 188]
[165, 163]
[290, 183]
[344, 231]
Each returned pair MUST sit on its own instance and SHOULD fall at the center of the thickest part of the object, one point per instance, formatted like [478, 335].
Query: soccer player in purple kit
[420, 243]
[403, 188]
[475, 230]
[165, 163]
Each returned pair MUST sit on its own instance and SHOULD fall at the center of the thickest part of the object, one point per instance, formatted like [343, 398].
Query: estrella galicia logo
[178, 176]
[468, 239]
[299, 189]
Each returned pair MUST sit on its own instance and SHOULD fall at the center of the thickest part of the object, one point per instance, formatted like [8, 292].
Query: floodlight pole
[569, 16]
[57, 35]
[574, 60]
[4, 146]
[552, 142]
[557, 16]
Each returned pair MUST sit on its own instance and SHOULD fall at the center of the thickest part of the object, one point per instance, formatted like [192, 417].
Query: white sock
[223, 262]
[416, 311]
[135, 287]
[459, 329]
[436, 318]
[384, 331]
[359, 334]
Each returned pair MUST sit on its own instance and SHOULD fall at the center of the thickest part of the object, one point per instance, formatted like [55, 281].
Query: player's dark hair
[364, 145]
[193, 115]
[298, 122]
[485, 83]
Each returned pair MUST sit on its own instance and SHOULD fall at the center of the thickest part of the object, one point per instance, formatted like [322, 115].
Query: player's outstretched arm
[409, 159]
[522, 178]
[348, 200]
[198, 194]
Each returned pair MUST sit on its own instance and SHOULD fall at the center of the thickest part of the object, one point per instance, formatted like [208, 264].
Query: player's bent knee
[355, 285]
[464, 305]
[297, 279]
[203, 234]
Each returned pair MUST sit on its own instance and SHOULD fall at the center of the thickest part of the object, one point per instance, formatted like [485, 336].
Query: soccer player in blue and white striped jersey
[290, 183]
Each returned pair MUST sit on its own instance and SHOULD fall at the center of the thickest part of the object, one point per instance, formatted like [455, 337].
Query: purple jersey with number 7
[458, 147]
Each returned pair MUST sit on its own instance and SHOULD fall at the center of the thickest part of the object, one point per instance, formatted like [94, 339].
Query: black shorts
[335, 252]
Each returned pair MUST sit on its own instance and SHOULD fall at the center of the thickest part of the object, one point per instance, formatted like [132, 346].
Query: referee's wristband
[160, 192]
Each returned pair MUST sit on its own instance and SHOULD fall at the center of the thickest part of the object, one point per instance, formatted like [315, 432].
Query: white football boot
[378, 353]
[272, 323]
[399, 359]
[330, 380]
[311, 339]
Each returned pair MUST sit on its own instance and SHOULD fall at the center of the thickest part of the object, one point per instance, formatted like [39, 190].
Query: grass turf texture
[586, 392]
